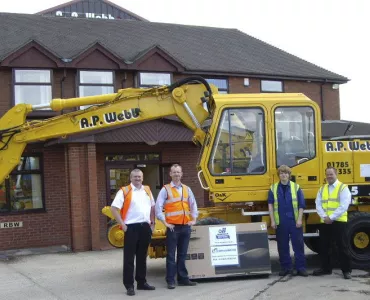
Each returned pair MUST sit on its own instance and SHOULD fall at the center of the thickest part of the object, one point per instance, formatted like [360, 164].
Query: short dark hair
[331, 168]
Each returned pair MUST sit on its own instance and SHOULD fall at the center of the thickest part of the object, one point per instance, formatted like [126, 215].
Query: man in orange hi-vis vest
[133, 208]
[180, 213]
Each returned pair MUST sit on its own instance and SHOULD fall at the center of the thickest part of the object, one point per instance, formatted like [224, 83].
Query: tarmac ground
[98, 275]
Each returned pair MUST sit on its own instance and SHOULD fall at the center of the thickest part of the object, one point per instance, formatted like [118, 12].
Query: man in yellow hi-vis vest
[332, 202]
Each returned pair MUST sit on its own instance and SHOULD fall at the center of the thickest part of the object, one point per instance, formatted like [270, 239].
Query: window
[239, 146]
[147, 80]
[295, 135]
[23, 191]
[32, 86]
[221, 84]
[271, 86]
[93, 83]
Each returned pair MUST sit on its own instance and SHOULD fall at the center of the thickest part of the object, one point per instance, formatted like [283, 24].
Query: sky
[328, 33]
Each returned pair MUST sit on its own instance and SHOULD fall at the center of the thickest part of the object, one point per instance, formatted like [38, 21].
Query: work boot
[347, 275]
[145, 287]
[130, 291]
[171, 286]
[321, 272]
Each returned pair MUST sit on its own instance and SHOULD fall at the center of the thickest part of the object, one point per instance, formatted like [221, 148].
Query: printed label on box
[222, 235]
[224, 255]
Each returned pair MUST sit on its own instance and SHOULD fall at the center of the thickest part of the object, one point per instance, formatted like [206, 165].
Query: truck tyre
[210, 221]
[313, 243]
[357, 239]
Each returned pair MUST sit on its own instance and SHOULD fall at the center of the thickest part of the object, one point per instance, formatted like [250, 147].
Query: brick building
[61, 185]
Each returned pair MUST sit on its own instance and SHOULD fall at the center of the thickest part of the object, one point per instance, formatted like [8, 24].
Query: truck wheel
[313, 243]
[358, 239]
[210, 221]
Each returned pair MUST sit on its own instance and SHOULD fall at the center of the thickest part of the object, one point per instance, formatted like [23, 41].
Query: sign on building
[90, 9]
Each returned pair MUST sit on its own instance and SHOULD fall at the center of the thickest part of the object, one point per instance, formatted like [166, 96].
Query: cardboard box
[228, 250]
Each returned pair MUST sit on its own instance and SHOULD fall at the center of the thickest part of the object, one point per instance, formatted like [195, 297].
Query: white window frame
[94, 84]
[150, 85]
[34, 84]
[220, 90]
[272, 90]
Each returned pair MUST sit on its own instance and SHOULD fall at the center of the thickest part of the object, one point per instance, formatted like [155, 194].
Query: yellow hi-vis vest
[331, 201]
[293, 190]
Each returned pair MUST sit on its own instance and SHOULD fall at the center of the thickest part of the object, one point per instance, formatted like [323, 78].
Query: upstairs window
[92, 83]
[148, 80]
[221, 84]
[271, 86]
[32, 86]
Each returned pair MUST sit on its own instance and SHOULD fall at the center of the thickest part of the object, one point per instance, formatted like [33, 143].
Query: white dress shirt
[162, 197]
[141, 204]
[345, 200]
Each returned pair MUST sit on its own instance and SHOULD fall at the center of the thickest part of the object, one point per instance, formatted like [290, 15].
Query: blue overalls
[287, 228]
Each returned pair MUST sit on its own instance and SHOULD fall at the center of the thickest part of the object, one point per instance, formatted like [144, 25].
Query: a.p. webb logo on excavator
[109, 118]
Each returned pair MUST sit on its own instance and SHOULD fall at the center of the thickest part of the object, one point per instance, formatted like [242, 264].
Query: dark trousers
[136, 243]
[286, 231]
[334, 232]
[178, 239]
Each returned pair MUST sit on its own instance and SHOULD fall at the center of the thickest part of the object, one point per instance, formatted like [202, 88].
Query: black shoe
[302, 273]
[347, 275]
[321, 272]
[294, 273]
[285, 272]
[130, 291]
[170, 286]
[188, 283]
[145, 287]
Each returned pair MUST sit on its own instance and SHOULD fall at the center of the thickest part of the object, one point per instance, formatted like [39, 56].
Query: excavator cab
[251, 136]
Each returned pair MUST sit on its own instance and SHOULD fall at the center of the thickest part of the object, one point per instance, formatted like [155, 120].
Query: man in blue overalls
[286, 204]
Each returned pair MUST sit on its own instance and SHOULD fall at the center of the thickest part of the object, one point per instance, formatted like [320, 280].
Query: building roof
[341, 128]
[199, 49]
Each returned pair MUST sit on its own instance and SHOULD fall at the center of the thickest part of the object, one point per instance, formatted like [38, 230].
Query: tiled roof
[198, 49]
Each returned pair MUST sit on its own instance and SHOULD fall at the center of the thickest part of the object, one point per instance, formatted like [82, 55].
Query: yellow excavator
[244, 138]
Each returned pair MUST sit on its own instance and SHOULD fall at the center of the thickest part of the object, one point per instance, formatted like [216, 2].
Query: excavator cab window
[295, 135]
[239, 146]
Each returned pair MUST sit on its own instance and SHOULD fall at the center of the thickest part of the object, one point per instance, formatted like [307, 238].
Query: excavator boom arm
[186, 101]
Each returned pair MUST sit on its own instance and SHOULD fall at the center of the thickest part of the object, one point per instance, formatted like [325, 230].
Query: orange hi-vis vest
[176, 207]
[127, 199]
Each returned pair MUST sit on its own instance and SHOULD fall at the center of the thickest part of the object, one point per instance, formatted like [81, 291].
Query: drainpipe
[322, 100]
[62, 85]
[124, 80]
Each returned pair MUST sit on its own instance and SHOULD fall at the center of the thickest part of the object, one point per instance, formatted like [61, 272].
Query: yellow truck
[244, 138]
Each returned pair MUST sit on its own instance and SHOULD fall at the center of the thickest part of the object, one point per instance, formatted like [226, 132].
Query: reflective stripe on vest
[331, 201]
[127, 199]
[293, 190]
[176, 207]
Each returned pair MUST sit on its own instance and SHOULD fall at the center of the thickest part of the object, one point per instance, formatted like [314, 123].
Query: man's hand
[273, 224]
[327, 220]
[169, 226]
[299, 224]
[124, 227]
[191, 223]
[152, 226]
